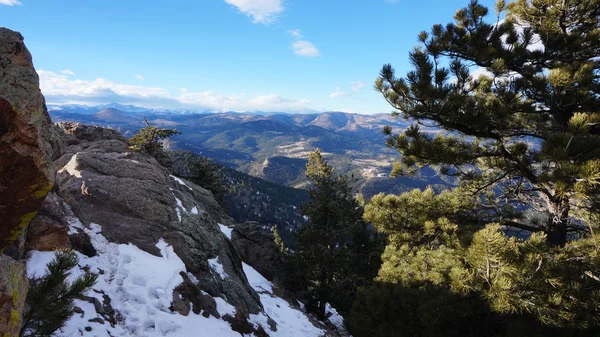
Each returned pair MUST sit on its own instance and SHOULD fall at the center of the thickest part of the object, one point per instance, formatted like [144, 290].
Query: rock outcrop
[135, 200]
[28, 144]
[27, 139]
[256, 246]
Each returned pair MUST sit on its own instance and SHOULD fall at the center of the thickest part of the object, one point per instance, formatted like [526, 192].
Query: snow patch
[256, 280]
[71, 167]
[290, 321]
[335, 318]
[217, 267]
[194, 210]
[181, 182]
[179, 206]
[226, 230]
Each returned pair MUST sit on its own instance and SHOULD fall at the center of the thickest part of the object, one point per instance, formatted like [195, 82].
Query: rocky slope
[166, 268]
[27, 147]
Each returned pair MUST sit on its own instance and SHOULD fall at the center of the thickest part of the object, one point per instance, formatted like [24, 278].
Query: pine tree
[442, 274]
[49, 302]
[335, 252]
[525, 129]
[204, 172]
[513, 249]
[148, 139]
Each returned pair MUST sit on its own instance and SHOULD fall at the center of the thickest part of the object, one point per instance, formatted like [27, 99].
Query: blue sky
[242, 55]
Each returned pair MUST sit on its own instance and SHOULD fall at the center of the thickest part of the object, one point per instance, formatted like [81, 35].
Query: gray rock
[256, 246]
[135, 200]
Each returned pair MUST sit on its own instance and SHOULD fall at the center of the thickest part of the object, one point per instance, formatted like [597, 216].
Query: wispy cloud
[338, 93]
[357, 85]
[10, 2]
[295, 33]
[59, 89]
[140, 77]
[66, 71]
[261, 11]
[305, 49]
[391, 2]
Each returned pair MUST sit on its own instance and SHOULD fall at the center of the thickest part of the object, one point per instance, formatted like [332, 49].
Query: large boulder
[257, 248]
[135, 200]
[48, 230]
[28, 145]
[28, 141]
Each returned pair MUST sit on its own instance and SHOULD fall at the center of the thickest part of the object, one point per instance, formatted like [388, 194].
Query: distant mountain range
[273, 147]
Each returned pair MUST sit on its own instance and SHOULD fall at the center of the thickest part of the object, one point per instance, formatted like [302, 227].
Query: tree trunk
[323, 292]
[322, 309]
[558, 222]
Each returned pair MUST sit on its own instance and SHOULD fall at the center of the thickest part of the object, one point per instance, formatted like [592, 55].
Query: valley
[273, 147]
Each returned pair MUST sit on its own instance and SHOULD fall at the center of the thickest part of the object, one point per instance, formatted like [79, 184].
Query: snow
[71, 167]
[217, 267]
[181, 182]
[226, 230]
[290, 321]
[140, 286]
[179, 206]
[335, 318]
[256, 280]
[179, 203]
[194, 210]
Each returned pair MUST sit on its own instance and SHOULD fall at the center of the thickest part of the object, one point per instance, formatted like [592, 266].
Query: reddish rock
[28, 145]
[26, 139]
[46, 234]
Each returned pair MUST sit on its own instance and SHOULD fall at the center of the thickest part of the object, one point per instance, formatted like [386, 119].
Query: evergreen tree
[335, 252]
[149, 139]
[204, 172]
[525, 129]
[442, 274]
[49, 302]
[512, 250]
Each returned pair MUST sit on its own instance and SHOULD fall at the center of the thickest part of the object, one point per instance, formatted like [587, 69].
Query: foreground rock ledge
[27, 147]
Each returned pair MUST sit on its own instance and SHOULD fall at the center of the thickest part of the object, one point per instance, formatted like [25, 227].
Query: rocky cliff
[28, 144]
[161, 246]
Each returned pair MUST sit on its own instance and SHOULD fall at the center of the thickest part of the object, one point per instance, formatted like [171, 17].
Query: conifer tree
[148, 139]
[335, 252]
[527, 128]
[49, 302]
[513, 249]
[204, 172]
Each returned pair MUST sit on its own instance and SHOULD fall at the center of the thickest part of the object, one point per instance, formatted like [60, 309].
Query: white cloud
[338, 93]
[10, 2]
[140, 77]
[295, 33]
[59, 89]
[216, 101]
[357, 85]
[65, 71]
[261, 11]
[305, 48]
